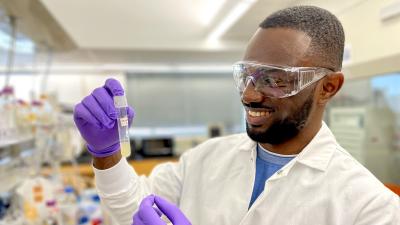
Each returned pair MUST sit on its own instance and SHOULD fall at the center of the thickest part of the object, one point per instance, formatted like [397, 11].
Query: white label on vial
[124, 121]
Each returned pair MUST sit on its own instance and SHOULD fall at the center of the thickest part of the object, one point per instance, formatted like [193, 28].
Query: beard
[285, 129]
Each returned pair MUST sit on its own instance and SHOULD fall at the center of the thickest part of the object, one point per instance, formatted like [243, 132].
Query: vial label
[124, 121]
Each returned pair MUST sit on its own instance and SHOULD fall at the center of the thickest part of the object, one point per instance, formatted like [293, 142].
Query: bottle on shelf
[68, 206]
[53, 213]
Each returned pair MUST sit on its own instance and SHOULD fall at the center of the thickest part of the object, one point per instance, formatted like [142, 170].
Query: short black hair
[324, 29]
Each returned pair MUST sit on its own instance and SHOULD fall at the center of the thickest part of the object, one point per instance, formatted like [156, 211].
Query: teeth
[258, 114]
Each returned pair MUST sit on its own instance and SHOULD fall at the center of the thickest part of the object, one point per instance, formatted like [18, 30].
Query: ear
[331, 84]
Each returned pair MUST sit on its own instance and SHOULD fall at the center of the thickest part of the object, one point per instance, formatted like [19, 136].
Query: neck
[297, 143]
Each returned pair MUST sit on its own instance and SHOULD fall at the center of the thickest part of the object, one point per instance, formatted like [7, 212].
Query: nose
[250, 94]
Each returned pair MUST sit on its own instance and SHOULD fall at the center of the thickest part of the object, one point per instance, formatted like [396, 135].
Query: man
[288, 169]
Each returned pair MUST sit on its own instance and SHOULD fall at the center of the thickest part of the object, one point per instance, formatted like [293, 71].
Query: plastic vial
[121, 106]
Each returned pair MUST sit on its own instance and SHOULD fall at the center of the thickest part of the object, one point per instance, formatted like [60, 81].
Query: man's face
[274, 120]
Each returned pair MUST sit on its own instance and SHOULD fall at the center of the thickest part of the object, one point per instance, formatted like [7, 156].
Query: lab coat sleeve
[121, 189]
[384, 209]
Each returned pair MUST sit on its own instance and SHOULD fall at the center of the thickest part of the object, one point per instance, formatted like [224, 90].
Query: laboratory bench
[142, 167]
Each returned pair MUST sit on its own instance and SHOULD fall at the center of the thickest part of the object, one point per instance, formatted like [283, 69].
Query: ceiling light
[234, 15]
[211, 10]
[390, 11]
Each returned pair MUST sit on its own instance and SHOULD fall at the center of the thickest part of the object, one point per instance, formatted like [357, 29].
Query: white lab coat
[213, 183]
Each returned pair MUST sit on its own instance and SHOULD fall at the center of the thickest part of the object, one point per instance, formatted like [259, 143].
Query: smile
[259, 114]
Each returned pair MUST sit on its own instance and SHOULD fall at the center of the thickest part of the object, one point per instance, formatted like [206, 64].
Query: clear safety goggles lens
[276, 81]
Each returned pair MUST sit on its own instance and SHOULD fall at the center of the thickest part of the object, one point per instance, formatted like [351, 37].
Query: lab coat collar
[317, 154]
[247, 144]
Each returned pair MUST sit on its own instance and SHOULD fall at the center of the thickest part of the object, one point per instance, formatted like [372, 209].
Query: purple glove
[148, 215]
[96, 117]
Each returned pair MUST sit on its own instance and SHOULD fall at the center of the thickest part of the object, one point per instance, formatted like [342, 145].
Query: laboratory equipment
[90, 209]
[53, 213]
[8, 109]
[367, 134]
[68, 206]
[121, 106]
[157, 146]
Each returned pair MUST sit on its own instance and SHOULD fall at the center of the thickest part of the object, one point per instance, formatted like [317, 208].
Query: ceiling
[162, 31]
[130, 24]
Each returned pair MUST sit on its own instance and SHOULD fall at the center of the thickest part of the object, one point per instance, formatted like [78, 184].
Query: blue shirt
[267, 163]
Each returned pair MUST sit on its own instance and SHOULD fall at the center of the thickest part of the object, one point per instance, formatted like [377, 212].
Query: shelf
[6, 143]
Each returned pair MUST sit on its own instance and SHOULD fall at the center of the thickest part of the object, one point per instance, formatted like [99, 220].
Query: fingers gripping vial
[121, 106]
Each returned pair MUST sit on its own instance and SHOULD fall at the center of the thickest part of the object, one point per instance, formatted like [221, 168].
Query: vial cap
[69, 189]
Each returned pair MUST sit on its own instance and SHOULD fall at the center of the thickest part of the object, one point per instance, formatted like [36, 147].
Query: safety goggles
[276, 81]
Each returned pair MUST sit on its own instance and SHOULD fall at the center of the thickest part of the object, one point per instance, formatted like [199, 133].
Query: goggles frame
[305, 76]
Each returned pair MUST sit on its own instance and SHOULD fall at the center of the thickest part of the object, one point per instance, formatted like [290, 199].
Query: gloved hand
[96, 117]
[148, 215]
